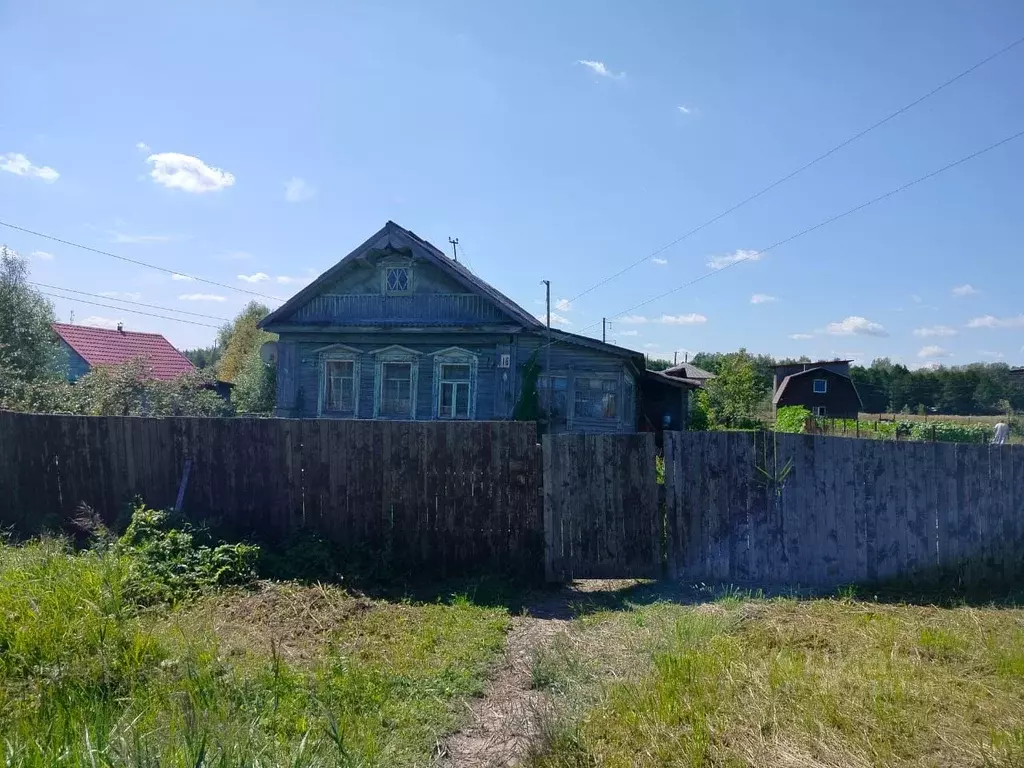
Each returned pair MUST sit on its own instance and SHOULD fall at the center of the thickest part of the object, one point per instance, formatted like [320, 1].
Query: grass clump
[140, 652]
[829, 682]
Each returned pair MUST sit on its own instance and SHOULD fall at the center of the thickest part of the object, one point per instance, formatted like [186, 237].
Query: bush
[792, 418]
[167, 565]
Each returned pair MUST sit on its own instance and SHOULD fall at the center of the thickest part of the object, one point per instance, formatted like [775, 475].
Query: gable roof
[392, 235]
[688, 371]
[819, 371]
[104, 346]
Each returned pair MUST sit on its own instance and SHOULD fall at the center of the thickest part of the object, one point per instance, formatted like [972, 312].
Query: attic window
[396, 280]
[820, 386]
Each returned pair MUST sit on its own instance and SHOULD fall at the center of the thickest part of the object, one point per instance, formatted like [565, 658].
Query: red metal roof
[104, 346]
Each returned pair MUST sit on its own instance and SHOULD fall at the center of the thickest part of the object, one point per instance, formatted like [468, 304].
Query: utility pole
[455, 247]
[675, 361]
[72, 317]
[547, 350]
[604, 329]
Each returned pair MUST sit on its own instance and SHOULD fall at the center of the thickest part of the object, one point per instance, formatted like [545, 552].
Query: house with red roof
[88, 347]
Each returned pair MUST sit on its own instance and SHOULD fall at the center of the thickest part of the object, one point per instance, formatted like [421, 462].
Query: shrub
[167, 564]
[792, 418]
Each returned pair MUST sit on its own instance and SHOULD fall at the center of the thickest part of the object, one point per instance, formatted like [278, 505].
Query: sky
[255, 145]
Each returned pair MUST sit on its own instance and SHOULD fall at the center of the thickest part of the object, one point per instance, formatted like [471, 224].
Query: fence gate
[601, 510]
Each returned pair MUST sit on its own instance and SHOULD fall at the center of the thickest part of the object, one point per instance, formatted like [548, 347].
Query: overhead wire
[804, 167]
[137, 262]
[128, 301]
[125, 309]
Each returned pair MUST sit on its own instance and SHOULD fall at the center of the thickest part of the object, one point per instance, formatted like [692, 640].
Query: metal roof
[106, 346]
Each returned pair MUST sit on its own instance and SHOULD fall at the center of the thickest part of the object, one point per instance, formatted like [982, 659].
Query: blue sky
[236, 139]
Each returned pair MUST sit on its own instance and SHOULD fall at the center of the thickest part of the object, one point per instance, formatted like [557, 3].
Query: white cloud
[933, 350]
[186, 278]
[563, 305]
[659, 261]
[990, 353]
[801, 336]
[650, 346]
[855, 325]
[598, 68]
[99, 322]
[42, 255]
[298, 190]
[990, 321]
[256, 277]
[685, 110]
[556, 319]
[177, 171]
[721, 262]
[632, 320]
[915, 298]
[965, 290]
[201, 297]
[762, 298]
[691, 318]
[126, 295]
[143, 147]
[121, 237]
[629, 333]
[935, 330]
[19, 165]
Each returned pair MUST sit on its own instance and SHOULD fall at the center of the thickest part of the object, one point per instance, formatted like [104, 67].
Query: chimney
[120, 327]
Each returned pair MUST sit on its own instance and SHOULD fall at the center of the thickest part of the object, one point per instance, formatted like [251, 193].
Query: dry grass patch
[786, 683]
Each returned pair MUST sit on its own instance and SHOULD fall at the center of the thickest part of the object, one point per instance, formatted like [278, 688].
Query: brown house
[824, 388]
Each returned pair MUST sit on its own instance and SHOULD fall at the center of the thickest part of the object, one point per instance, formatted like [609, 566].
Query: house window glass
[596, 398]
[341, 385]
[629, 395]
[454, 391]
[396, 390]
[396, 280]
[553, 397]
[819, 410]
[820, 386]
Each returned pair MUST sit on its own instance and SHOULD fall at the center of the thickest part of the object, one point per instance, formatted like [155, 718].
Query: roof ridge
[111, 330]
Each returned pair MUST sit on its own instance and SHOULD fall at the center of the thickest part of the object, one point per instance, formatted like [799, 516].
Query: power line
[125, 309]
[819, 225]
[805, 166]
[127, 301]
[136, 261]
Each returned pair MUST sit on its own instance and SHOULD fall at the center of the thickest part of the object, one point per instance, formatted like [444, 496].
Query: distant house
[823, 387]
[89, 347]
[698, 377]
[398, 330]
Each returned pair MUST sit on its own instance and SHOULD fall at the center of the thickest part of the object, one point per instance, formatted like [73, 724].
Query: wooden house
[398, 330]
[824, 388]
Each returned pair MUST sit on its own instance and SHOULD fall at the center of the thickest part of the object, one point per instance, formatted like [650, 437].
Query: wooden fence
[601, 512]
[439, 498]
[822, 511]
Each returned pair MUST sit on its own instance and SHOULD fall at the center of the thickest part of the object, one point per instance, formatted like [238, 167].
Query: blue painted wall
[77, 367]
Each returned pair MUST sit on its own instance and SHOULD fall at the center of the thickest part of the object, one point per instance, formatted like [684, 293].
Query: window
[819, 410]
[820, 386]
[629, 396]
[340, 386]
[596, 398]
[554, 397]
[453, 390]
[395, 391]
[396, 280]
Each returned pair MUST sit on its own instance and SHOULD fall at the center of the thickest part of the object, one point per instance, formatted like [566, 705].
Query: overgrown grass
[283, 675]
[786, 683]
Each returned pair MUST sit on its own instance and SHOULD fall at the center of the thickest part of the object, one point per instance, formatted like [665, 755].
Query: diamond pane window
[397, 280]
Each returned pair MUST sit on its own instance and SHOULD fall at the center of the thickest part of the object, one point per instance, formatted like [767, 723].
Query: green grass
[786, 683]
[283, 675]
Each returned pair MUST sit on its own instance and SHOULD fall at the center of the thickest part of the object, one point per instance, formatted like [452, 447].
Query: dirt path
[507, 719]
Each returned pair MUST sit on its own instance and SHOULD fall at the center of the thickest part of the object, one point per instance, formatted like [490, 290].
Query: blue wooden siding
[77, 367]
[496, 391]
[412, 309]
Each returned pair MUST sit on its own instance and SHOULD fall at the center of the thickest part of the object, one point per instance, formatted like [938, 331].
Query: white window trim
[396, 264]
[455, 356]
[340, 353]
[814, 387]
[395, 354]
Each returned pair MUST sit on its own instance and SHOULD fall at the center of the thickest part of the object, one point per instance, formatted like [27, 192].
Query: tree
[204, 357]
[735, 395]
[656, 364]
[240, 339]
[255, 386]
[28, 345]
